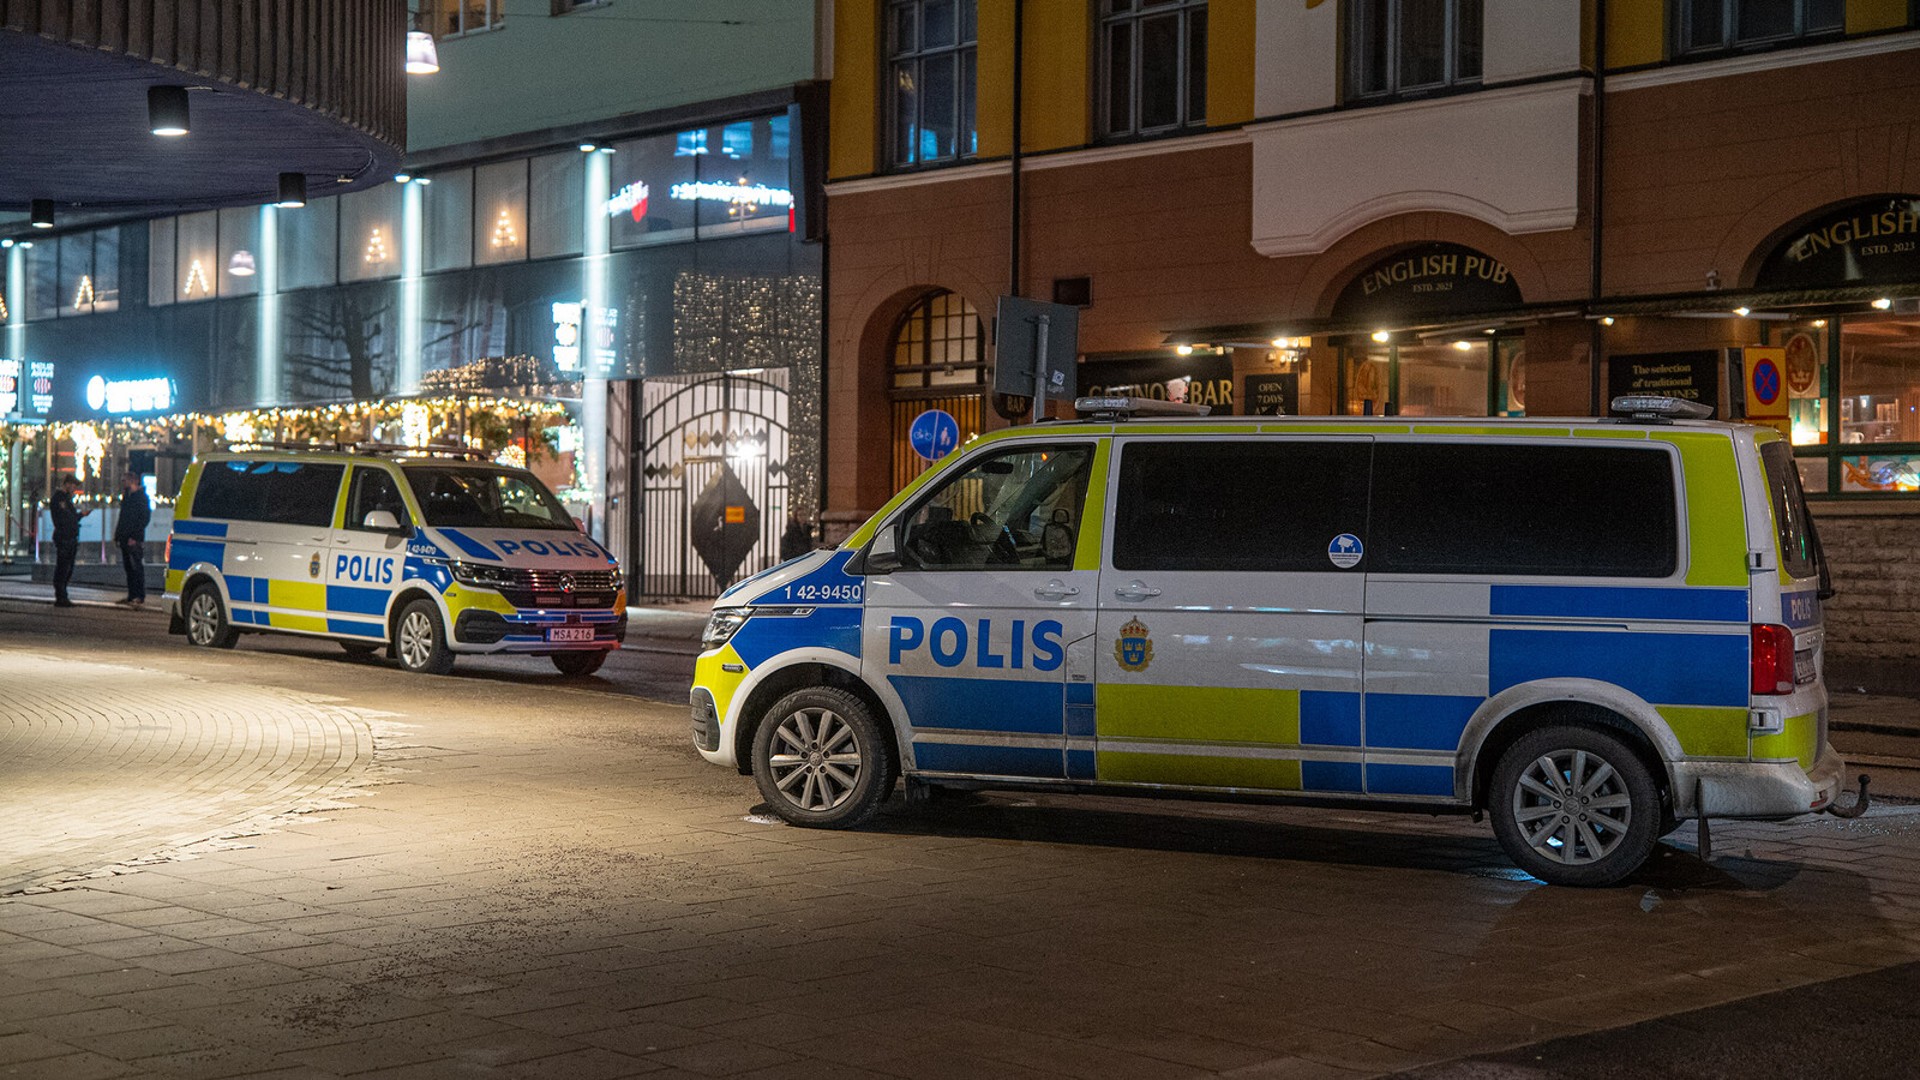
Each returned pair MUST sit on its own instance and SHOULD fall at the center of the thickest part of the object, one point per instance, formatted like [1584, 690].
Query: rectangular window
[1707, 26]
[310, 244]
[447, 206]
[106, 270]
[646, 171]
[239, 251]
[1226, 506]
[281, 492]
[76, 274]
[43, 280]
[554, 205]
[744, 187]
[198, 262]
[931, 50]
[1020, 508]
[160, 261]
[1406, 48]
[370, 234]
[500, 212]
[1510, 509]
[1799, 553]
[1152, 56]
[451, 18]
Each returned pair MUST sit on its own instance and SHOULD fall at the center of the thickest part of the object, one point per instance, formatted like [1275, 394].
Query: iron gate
[694, 429]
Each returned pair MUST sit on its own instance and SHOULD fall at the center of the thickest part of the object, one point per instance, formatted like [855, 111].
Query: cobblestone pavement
[553, 884]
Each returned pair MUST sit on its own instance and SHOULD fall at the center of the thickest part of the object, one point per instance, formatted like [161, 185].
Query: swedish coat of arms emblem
[1134, 649]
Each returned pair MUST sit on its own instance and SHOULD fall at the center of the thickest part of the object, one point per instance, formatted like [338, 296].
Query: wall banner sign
[1276, 394]
[1429, 280]
[1867, 242]
[1690, 376]
[1197, 380]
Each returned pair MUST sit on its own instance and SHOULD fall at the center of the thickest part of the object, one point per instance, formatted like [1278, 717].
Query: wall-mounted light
[1881, 304]
[588, 148]
[1606, 320]
[293, 190]
[1383, 336]
[1742, 312]
[423, 57]
[1183, 350]
[167, 110]
[1819, 324]
[402, 178]
[40, 213]
[6, 242]
[1463, 346]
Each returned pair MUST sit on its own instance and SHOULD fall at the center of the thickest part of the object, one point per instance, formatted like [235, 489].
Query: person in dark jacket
[131, 536]
[797, 540]
[66, 536]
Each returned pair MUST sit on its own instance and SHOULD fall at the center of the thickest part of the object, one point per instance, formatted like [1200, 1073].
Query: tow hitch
[1859, 805]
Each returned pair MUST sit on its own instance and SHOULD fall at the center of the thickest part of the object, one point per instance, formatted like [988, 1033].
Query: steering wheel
[1005, 548]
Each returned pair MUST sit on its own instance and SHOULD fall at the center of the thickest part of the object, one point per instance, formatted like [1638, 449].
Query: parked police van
[1588, 629]
[422, 554]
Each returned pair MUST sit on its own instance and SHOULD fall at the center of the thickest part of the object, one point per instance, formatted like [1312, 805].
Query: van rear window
[279, 492]
[1799, 552]
[1512, 509]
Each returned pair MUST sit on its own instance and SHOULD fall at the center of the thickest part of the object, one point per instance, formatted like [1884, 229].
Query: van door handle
[1055, 590]
[1136, 590]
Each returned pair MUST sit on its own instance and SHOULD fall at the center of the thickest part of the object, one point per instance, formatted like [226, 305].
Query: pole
[1040, 367]
[1596, 338]
[1013, 232]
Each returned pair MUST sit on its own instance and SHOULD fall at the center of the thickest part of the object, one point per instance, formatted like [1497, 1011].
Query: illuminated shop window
[447, 207]
[500, 212]
[309, 244]
[558, 183]
[452, 18]
[745, 188]
[1153, 65]
[370, 234]
[930, 81]
[43, 280]
[1716, 25]
[1879, 404]
[1405, 48]
[644, 173]
[239, 262]
[160, 261]
[197, 263]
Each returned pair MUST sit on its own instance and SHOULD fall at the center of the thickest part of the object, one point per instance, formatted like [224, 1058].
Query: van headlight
[722, 626]
[491, 577]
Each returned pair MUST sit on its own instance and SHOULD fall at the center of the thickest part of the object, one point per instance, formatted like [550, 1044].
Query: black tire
[836, 763]
[579, 664]
[420, 640]
[206, 619]
[1609, 833]
[360, 648]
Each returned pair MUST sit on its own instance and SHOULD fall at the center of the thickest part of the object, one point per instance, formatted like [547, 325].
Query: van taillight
[1772, 659]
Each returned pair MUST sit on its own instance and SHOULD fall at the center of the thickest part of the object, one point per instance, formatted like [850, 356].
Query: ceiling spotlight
[1183, 350]
[1881, 304]
[1819, 324]
[167, 110]
[1463, 346]
[401, 178]
[423, 57]
[40, 212]
[6, 242]
[423, 181]
[606, 149]
[588, 148]
[1606, 320]
[293, 190]
[1740, 311]
[1382, 336]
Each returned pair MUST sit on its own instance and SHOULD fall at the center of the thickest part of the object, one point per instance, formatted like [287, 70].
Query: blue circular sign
[934, 434]
[1345, 550]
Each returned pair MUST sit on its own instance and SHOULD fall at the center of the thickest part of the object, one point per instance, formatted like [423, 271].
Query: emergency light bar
[1660, 407]
[1120, 408]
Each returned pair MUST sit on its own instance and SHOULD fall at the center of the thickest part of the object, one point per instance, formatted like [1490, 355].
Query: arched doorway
[937, 361]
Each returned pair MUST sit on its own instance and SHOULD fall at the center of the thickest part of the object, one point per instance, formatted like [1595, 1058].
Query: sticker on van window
[1345, 550]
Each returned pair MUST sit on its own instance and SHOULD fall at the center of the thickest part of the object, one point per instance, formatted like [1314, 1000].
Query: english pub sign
[1429, 280]
[1867, 242]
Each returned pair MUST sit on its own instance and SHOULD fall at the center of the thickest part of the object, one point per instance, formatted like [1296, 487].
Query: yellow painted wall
[993, 101]
[1636, 32]
[1058, 106]
[1868, 16]
[853, 100]
[1229, 62]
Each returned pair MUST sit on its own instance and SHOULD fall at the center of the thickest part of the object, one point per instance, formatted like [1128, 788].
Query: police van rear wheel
[1575, 806]
[421, 643]
[577, 664]
[207, 624]
[821, 759]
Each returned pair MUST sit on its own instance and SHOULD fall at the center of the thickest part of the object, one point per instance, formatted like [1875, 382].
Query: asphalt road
[283, 861]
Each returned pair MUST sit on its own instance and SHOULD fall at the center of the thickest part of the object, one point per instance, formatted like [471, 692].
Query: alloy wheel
[1572, 806]
[816, 760]
[416, 639]
[203, 618]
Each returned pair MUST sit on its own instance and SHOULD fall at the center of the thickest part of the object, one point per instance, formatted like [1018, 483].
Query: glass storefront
[1472, 374]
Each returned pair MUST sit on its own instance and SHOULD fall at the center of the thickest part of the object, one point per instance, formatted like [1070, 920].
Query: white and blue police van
[418, 553]
[1589, 629]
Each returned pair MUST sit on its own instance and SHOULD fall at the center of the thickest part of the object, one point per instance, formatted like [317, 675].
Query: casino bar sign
[1867, 242]
[1429, 282]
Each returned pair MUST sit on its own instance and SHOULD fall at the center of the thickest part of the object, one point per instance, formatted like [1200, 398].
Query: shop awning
[1262, 334]
[1720, 301]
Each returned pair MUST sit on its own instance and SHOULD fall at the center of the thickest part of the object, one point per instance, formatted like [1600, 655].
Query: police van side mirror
[384, 521]
[883, 555]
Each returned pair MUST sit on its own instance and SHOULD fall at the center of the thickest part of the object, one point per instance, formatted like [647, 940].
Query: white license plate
[570, 633]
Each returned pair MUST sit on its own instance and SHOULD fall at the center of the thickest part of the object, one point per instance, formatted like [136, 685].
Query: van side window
[277, 492]
[373, 489]
[1019, 508]
[1253, 505]
[1793, 526]
[1508, 509]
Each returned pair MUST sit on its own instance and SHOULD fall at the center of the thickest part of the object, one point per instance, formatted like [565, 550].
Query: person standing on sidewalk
[131, 536]
[66, 536]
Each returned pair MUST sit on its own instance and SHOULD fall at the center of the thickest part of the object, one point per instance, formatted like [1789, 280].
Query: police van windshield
[470, 498]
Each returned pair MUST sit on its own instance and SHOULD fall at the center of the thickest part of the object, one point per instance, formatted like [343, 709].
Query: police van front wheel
[421, 640]
[207, 624]
[820, 759]
[578, 664]
[1575, 806]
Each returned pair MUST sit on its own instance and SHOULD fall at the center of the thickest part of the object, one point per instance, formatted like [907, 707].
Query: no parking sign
[1766, 369]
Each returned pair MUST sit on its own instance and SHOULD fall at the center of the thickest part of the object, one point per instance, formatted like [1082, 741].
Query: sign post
[1036, 348]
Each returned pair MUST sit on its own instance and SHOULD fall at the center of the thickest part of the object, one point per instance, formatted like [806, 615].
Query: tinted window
[1799, 551]
[1267, 505]
[485, 499]
[374, 490]
[1450, 508]
[1018, 508]
[280, 492]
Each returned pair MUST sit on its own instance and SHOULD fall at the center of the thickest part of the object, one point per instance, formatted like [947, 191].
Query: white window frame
[1729, 41]
[1184, 108]
[1355, 54]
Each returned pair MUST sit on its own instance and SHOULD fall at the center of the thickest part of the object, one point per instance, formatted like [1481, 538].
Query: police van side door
[368, 554]
[972, 630]
[1231, 613]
